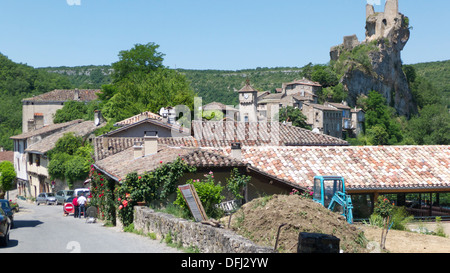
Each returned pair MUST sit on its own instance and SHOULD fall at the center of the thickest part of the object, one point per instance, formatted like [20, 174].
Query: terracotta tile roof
[7, 156]
[158, 122]
[222, 134]
[46, 144]
[139, 117]
[304, 82]
[338, 105]
[65, 95]
[107, 146]
[364, 167]
[247, 88]
[119, 165]
[46, 129]
[218, 106]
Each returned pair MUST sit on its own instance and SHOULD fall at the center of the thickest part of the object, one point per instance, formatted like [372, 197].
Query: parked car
[46, 197]
[5, 226]
[84, 191]
[62, 196]
[6, 206]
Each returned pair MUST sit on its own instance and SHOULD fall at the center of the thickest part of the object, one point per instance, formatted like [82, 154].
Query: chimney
[138, 150]
[38, 120]
[150, 143]
[236, 151]
[98, 119]
[31, 125]
[76, 95]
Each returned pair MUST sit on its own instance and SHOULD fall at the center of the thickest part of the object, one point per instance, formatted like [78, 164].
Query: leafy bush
[210, 194]
[236, 183]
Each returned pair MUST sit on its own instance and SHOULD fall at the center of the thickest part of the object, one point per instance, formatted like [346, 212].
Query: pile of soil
[260, 219]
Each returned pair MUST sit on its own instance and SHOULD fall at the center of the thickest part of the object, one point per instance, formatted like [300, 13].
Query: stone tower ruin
[381, 24]
[386, 35]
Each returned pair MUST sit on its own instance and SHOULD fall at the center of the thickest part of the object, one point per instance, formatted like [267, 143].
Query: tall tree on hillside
[141, 58]
[142, 83]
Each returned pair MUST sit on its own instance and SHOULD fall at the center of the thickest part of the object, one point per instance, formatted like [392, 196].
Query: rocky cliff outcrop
[375, 63]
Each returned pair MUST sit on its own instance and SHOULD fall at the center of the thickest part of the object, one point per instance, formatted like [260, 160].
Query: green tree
[325, 75]
[383, 117]
[7, 177]
[141, 58]
[377, 135]
[71, 110]
[67, 144]
[141, 83]
[431, 126]
[70, 159]
[294, 115]
[151, 91]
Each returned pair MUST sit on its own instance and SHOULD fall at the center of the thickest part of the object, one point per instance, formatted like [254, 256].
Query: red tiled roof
[107, 146]
[222, 134]
[46, 129]
[65, 95]
[139, 117]
[304, 82]
[117, 166]
[363, 167]
[7, 156]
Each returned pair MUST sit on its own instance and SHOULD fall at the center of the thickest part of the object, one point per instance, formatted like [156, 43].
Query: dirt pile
[260, 219]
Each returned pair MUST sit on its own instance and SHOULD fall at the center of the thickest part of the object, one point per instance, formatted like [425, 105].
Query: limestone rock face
[386, 35]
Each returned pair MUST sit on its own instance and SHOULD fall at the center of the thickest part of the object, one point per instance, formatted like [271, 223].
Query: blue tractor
[330, 192]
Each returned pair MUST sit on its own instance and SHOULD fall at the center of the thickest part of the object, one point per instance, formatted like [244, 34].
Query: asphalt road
[44, 229]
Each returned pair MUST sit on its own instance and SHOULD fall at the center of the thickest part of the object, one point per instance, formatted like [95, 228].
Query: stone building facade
[328, 119]
[39, 111]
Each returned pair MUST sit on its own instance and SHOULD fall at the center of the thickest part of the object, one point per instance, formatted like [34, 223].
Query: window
[38, 160]
[317, 189]
[246, 119]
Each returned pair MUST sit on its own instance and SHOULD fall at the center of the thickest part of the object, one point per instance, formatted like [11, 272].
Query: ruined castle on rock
[379, 25]
[386, 35]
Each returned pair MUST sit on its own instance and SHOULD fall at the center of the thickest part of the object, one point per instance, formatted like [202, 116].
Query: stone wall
[206, 238]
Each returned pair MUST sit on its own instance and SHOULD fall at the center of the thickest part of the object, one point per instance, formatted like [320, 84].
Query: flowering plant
[102, 195]
[308, 193]
[384, 208]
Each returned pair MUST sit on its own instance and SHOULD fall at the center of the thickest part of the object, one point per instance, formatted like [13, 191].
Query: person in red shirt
[75, 206]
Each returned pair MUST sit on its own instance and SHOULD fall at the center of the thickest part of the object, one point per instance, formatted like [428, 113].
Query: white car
[46, 197]
[84, 191]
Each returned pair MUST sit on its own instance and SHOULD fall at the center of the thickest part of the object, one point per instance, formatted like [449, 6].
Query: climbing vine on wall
[148, 187]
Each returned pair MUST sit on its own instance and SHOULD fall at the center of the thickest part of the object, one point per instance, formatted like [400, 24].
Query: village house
[39, 111]
[21, 157]
[324, 119]
[37, 164]
[222, 110]
[331, 118]
[134, 129]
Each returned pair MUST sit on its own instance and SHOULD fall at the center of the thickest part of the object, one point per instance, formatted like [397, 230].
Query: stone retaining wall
[206, 238]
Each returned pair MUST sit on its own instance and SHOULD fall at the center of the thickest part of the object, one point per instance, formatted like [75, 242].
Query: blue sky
[205, 34]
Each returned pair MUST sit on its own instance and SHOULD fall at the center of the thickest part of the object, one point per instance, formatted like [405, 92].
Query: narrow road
[44, 229]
